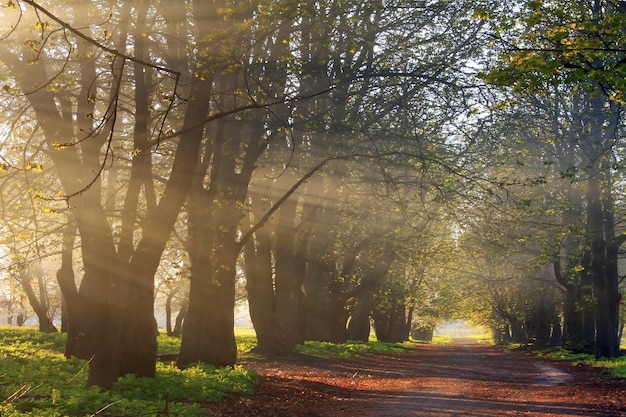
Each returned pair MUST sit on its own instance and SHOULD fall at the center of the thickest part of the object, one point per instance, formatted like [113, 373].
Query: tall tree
[114, 320]
[579, 44]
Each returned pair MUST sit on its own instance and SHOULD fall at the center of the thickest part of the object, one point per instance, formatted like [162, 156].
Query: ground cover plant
[349, 349]
[615, 366]
[38, 381]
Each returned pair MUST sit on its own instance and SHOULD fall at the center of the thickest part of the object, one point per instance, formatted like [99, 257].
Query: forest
[333, 166]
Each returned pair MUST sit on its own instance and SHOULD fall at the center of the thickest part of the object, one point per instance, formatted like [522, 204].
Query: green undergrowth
[615, 366]
[36, 380]
[485, 338]
[349, 349]
[441, 340]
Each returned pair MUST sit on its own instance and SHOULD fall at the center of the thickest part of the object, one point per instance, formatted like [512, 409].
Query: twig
[104, 408]
[166, 409]
[80, 371]
[94, 42]
[21, 391]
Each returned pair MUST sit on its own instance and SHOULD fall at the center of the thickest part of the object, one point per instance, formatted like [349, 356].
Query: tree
[391, 106]
[40, 303]
[76, 117]
[579, 45]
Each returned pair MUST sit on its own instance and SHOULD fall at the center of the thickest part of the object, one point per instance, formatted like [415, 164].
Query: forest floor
[460, 379]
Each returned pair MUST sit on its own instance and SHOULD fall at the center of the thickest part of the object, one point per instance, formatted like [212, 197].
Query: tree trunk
[572, 317]
[75, 345]
[100, 295]
[214, 216]
[180, 318]
[339, 295]
[208, 332]
[542, 322]
[382, 324]
[324, 311]
[64, 317]
[556, 332]
[612, 259]
[290, 268]
[398, 331]
[614, 295]
[391, 325]
[359, 325]
[260, 285]
[516, 327]
[38, 304]
[168, 314]
[586, 305]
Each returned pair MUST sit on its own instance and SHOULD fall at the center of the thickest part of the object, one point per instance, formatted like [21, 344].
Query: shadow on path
[434, 404]
[467, 379]
[461, 379]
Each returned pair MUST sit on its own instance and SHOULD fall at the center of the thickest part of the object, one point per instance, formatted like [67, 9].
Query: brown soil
[460, 379]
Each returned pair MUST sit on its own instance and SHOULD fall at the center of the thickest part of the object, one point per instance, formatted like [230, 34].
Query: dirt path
[455, 380]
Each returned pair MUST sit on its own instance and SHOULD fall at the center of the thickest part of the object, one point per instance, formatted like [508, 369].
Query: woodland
[335, 166]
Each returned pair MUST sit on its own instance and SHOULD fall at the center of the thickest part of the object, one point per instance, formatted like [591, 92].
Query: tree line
[343, 163]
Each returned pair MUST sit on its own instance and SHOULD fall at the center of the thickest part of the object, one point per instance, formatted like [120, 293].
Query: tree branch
[94, 42]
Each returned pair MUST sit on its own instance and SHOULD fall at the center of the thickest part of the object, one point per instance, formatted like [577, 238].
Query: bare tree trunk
[168, 314]
[359, 325]
[74, 322]
[208, 332]
[39, 305]
[290, 264]
[214, 216]
[180, 318]
[260, 282]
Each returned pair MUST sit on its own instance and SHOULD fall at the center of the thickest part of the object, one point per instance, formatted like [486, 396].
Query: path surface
[460, 379]
[470, 380]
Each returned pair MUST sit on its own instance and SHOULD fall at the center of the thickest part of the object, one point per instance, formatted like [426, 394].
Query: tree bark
[180, 318]
[214, 216]
[613, 244]
[290, 269]
[586, 305]
[391, 326]
[317, 311]
[604, 341]
[71, 299]
[168, 314]
[260, 283]
[359, 324]
[39, 305]
[208, 331]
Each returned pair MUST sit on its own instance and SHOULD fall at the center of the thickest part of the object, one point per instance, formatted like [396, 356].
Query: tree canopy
[350, 164]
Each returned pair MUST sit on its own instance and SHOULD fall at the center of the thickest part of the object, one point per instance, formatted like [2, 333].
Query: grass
[483, 338]
[349, 349]
[615, 366]
[442, 340]
[36, 380]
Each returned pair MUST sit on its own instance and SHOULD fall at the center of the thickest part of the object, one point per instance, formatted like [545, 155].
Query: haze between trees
[347, 164]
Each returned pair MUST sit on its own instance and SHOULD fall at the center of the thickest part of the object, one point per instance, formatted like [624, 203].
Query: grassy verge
[37, 381]
[349, 349]
[442, 340]
[616, 366]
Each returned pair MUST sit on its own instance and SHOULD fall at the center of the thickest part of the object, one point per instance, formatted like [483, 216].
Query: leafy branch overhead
[551, 43]
[331, 164]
